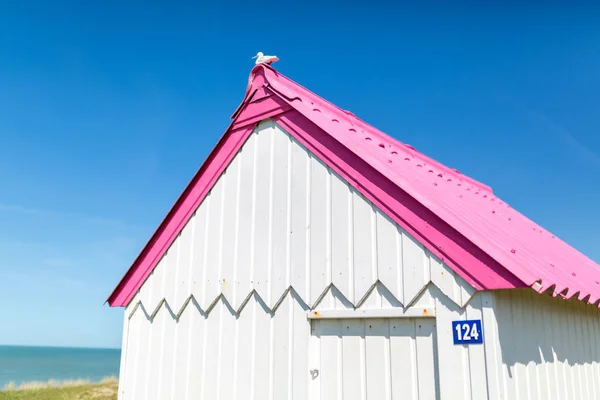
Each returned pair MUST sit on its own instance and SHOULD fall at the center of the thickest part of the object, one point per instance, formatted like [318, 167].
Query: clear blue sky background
[107, 110]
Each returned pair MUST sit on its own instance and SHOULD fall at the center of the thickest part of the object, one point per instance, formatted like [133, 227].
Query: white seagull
[262, 59]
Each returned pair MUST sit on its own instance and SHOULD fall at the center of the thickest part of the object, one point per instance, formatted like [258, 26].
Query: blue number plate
[467, 332]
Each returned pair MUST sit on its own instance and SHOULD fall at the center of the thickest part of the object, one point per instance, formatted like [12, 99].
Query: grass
[78, 389]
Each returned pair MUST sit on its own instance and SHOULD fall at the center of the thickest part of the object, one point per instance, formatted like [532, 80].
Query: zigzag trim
[290, 290]
[191, 299]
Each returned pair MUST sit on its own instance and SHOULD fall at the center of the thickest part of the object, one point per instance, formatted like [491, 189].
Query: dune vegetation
[78, 389]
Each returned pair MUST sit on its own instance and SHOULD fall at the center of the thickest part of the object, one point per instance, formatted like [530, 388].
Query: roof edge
[115, 299]
[218, 159]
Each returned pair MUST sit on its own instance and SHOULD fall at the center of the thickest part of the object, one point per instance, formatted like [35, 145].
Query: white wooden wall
[544, 347]
[223, 315]
[535, 347]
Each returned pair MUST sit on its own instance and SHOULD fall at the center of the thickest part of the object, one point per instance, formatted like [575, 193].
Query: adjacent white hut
[314, 257]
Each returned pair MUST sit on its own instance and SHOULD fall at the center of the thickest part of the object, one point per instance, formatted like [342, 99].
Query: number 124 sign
[467, 332]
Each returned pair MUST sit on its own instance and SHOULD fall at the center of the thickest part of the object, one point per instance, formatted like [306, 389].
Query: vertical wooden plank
[129, 387]
[595, 335]
[562, 333]
[491, 343]
[301, 333]
[508, 320]
[534, 367]
[226, 353]
[198, 252]
[403, 359]
[168, 346]
[242, 283]
[415, 268]
[280, 370]
[443, 277]
[425, 342]
[229, 237]
[144, 353]
[144, 293]
[182, 354]
[262, 209]
[584, 350]
[476, 354]
[574, 341]
[281, 188]
[155, 347]
[341, 235]
[580, 342]
[242, 374]
[590, 317]
[124, 353]
[210, 366]
[376, 336]
[261, 356]
[363, 246]
[213, 247]
[196, 349]
[300, 220]
[550, 361]
[389, 266]
[329, 332]
[156, 281]
[452, 359]
[161, 322]
[558, 335]
[169, 343]
[184, 266]
[522, 383]
[352, 331]
[363, 365]
[314, 361]
[320, 211]
[170, 273]
[153, 357]
[340, 361]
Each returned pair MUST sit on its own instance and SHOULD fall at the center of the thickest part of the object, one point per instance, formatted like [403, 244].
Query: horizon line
[60, 347]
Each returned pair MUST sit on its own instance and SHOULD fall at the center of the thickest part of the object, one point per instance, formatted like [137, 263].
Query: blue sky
[107, 110]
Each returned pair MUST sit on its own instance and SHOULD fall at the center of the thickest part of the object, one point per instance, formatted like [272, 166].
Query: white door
[374, 359]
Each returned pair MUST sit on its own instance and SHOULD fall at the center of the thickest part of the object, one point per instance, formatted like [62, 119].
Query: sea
[21, 364]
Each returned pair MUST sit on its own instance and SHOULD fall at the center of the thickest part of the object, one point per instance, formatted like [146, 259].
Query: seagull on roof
[262, 59]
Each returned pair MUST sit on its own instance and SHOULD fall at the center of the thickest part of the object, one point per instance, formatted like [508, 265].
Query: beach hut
[314, 257]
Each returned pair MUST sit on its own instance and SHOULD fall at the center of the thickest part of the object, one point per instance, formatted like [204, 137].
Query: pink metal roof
[482, 238]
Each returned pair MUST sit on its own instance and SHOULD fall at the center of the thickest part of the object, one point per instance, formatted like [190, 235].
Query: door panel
[375, 359]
